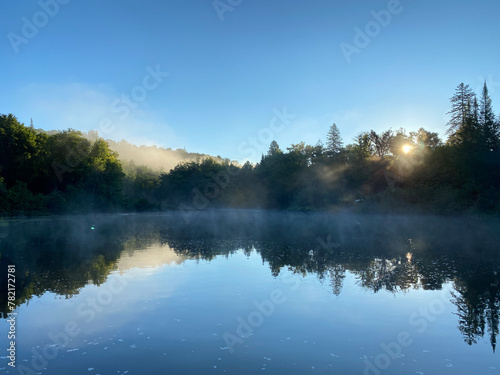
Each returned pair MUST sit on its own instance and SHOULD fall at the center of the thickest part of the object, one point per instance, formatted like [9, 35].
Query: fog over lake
[248, 291]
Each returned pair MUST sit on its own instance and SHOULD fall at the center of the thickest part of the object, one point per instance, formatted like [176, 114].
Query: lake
[250, 292]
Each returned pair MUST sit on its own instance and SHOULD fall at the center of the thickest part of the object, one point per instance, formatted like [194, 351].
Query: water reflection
[391, 253]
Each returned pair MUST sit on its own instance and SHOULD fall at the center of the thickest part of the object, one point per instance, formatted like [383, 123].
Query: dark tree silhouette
[461, 108]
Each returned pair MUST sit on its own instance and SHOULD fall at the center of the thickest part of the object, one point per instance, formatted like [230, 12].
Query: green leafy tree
[362, 148]
[274, 149]
[399, 140]
[381, 143]
[4, 204]
[106, 177]
[68, 159]
[20, 148]
[319, 150]
[424, 139]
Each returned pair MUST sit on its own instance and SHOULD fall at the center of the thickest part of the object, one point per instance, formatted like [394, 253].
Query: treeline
[63, 172]
[69, 172]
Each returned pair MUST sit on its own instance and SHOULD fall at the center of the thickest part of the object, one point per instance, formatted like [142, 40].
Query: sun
[407, 149]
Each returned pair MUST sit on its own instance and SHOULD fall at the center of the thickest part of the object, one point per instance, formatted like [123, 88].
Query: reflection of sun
[406, 148]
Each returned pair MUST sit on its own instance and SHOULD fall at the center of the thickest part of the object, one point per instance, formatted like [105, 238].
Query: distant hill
[154, 157]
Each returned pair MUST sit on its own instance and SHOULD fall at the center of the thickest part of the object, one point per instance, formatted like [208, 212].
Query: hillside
[156, 158]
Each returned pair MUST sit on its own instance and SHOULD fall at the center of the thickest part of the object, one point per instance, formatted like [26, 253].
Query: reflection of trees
[337, 276]
[59, 256]
[478, 306]
[492, 317]
[394, 275]
[383, 253]
[470, 308]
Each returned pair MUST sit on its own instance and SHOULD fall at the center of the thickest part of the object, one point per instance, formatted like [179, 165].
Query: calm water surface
[249, 292]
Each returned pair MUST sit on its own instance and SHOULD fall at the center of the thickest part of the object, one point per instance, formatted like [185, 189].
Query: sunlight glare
[406, 148]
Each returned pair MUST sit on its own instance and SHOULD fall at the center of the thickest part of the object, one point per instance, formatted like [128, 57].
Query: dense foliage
[69, 172]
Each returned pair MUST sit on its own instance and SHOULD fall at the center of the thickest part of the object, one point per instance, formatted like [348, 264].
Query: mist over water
[342, 287]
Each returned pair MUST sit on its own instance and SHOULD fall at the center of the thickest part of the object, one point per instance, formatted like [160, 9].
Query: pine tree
[461, 108]
[489, 127]
[274, 149]
[475, 111]
[334, 142]
[487, 117]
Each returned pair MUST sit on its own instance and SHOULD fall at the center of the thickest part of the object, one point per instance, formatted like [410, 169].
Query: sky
[226, 77]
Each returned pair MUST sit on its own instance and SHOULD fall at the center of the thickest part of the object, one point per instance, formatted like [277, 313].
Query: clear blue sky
[226, 77]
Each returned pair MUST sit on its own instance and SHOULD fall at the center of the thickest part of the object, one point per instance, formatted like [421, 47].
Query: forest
[70, 172]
